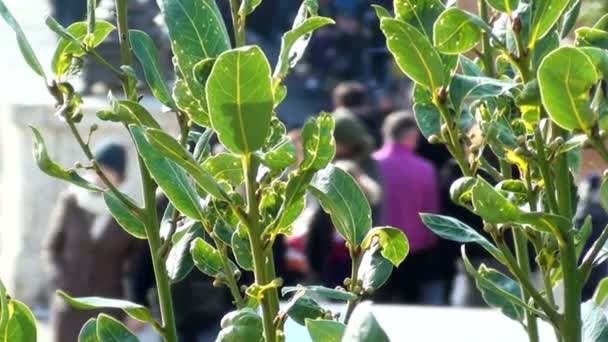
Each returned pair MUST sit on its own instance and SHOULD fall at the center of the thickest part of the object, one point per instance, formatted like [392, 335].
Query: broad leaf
[125, 218]
[172, 179]
[241, 325]
[179, 262]
[363, 326]
[507, 6]
[322, 330]
[197, 32]
[414, 53]
[25, 47]
[88, 333]
[496, 298]
[457, 31]
[147, 54]
[239, 93]
[570, 18]
[241, 248]
[304, 308]
[374, 269]
[21, 323]
[281, 156]
[491, 205]
[545, 13]
[206, 258]
[134, 311]
[428, 119]
[112, 330]
[319, 144]
[565, 77]
[67, 49]
[341, 197]
[226, 167]
[586, 36]
[421, 14]
[466, 88]
[601, 292]
[178, 155]
[394, 244]
[320, 291]
[48, 166]
[454, 230]
[595, 324]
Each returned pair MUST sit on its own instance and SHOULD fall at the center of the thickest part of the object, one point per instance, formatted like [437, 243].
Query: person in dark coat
[87, 253]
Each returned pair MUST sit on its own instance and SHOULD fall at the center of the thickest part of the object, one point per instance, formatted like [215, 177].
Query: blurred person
[86, 251]
[354, 97]
[68, 12]
[410, 187]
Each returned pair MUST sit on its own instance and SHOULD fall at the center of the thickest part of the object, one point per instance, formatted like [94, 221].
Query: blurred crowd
[350, 73]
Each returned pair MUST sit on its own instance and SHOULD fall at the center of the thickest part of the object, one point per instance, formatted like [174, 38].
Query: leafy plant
[536, 105]
[234, 204]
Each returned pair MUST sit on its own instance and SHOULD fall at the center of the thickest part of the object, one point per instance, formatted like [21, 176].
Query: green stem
[587, 265]
[354, 282]
[238, 23]
[260, 259]
[91, 4]
[453, 143]
[543, 165]
[572, 324]
[487, 55]
[126, 57]
[231, 282]
[523, 260]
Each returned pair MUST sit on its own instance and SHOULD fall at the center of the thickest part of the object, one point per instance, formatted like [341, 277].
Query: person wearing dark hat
[86, 252]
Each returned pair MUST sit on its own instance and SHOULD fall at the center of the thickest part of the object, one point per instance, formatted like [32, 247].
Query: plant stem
[544, 170]
[523, 260]
[354, 282]
[453, 143]
[125, 48]
[487, 55]
[91, 4]
[238, 23]
[231, 282]
[260, 262]
[572, 324]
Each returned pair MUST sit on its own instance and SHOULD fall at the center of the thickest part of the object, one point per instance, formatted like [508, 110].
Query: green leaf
[226, 167]
[452, 229]
[363, 326]
[241, 325]
[247, 7]
[545, 13]
[322, 330]
[21, 324]
[197, 32]
[341, 197]
[570, 18]
[320, 291]
[147, 54]
[595, 324]
[179, 261]
[491, 205]
[586, 36]
[88, 333]
[295, 41]
[507, 6]
[239, 93]
[48, 166]
[67, 49]
[125, 218]
[545, 222]
[381, 12]
[4, 315]
[134, 311]
[112, 330]
[469, 67]
[414, 53]
[421, 14]
[25, 47]
[281, 156]
[456, 31]
[467, 88]
[174, 182]
[600, 296]
[241, 248]
[319, 144]
[428, 119]
[303, 309]
[393, 243]
[206, 258]
[179, 157]
[565, 77]
[374, 269]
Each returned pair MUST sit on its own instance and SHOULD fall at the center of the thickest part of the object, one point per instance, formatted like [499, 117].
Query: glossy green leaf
[179, 262]
[145, 50]
[507, 6]
[239, 93]
[319, 144]
[241, 325]
[414, 53]
[491, 205]
[25, 47]
[468, 88]
[134, 311]
[172, 179]
[341, 197]
[304, 308]
[421, 14]
[112, 330]
[600, 296]
[545, 13]
[565, 77]
[469, 67]
[127, 113]
[88, 333]
[586, 36]
[295, 41]
[21, 323]
[68, 48]
[454, 230]
[428, 119]
[125, 218]
[48, 166]
[570, 18]
[456, 31]
[197, 32]
[226, 167]
[496, 298]
[322, 330]
[206, 258]
[545, 222]
[381, 12]
[602, 23]
[281, 156]
[393, 243]
[4, 315]
[374, 269]
[241, 248]
[599, 58]
[363, 326]
[320, 291]
[247, 7]
[595, 324]
[177, 155]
